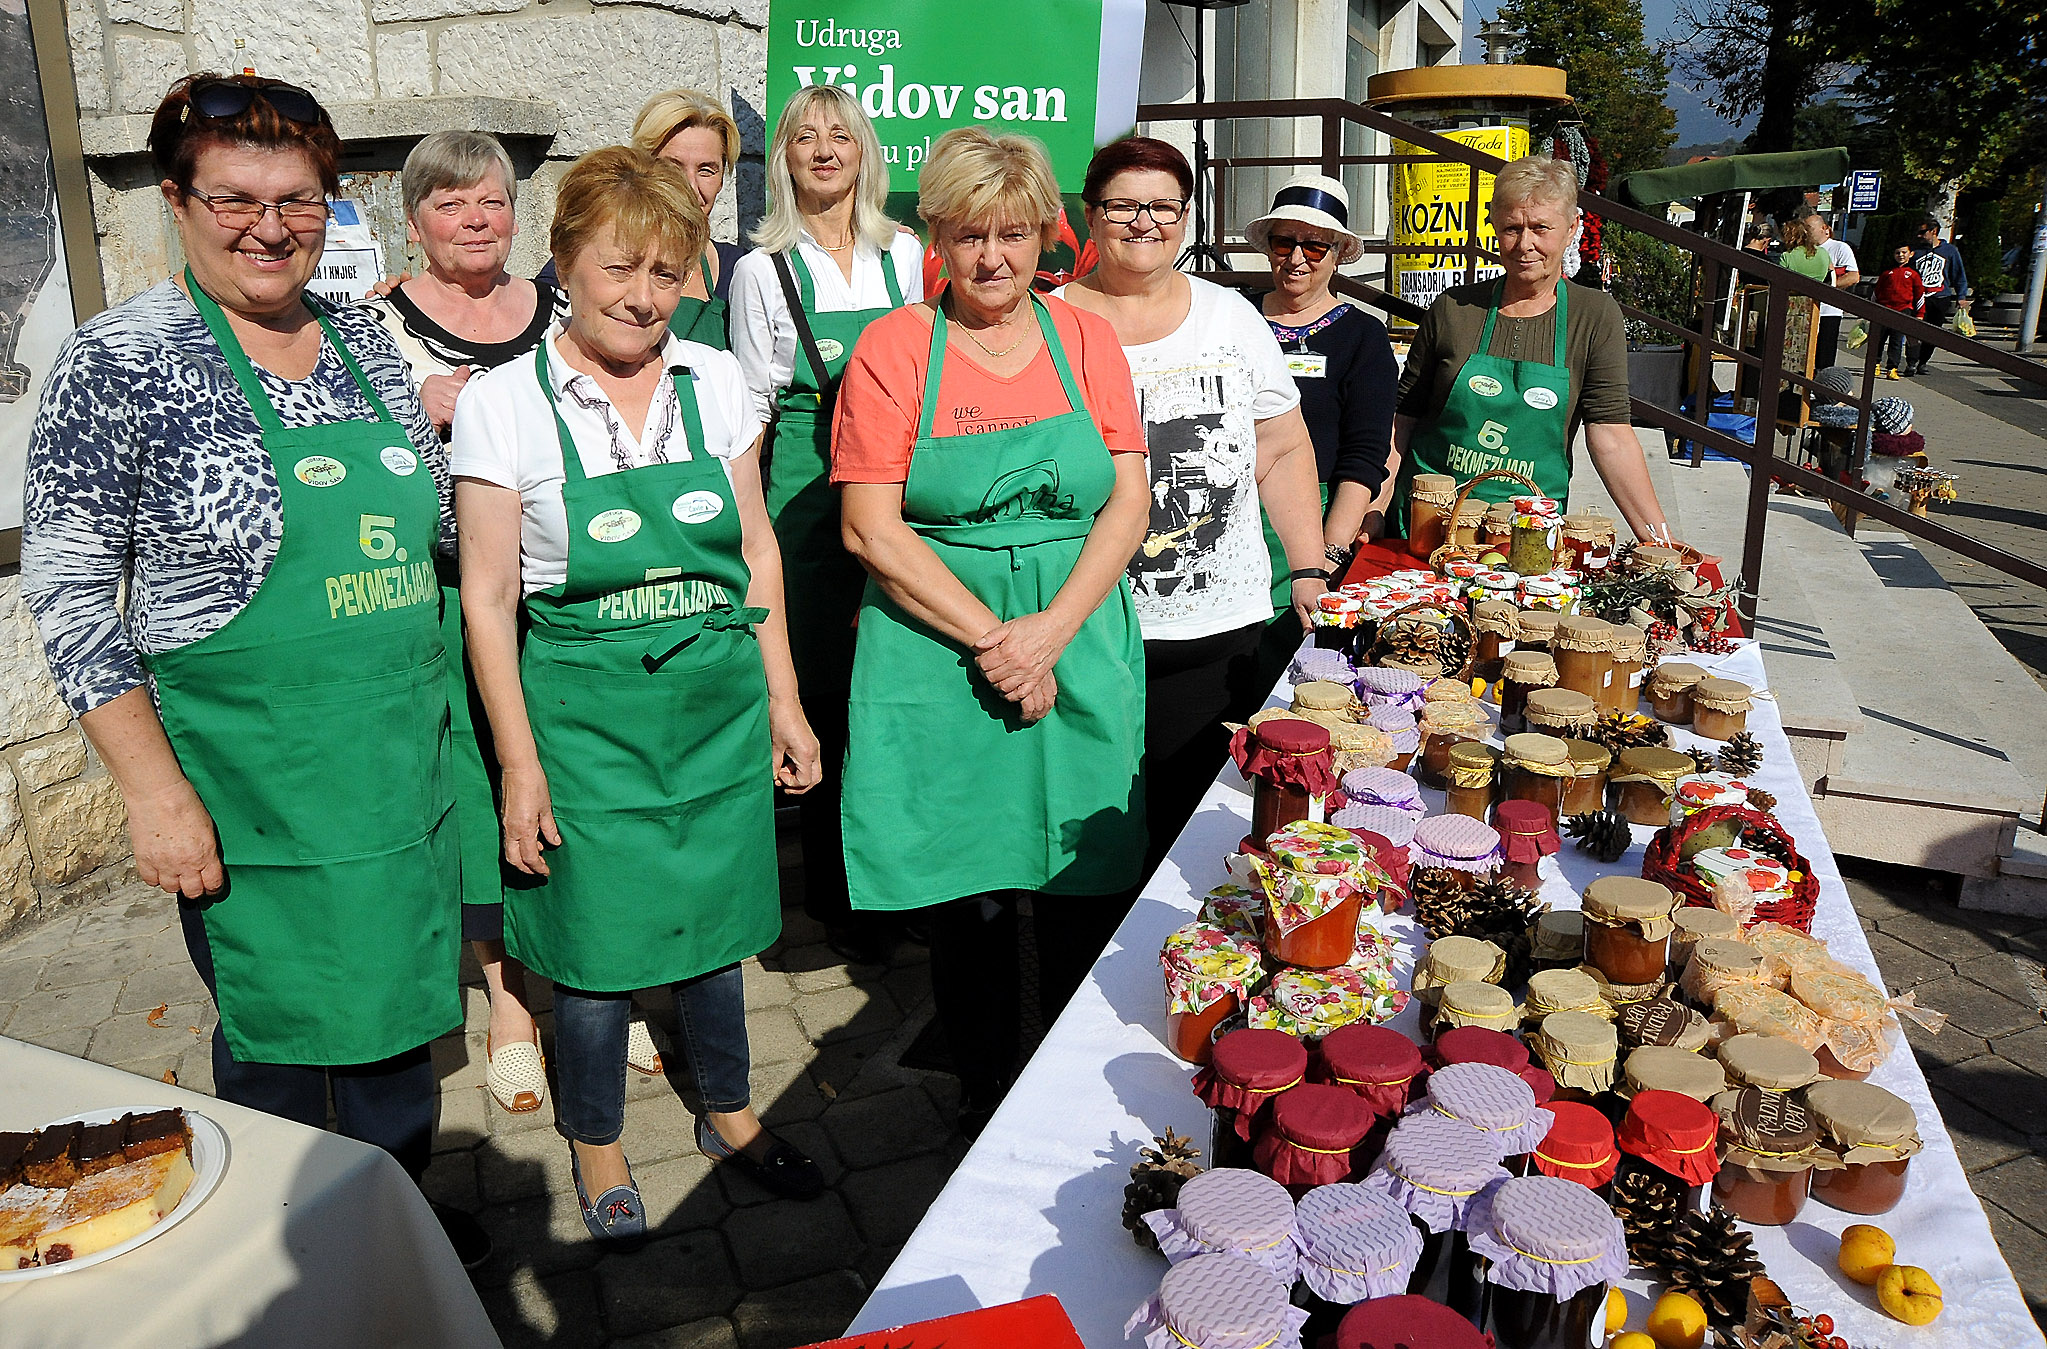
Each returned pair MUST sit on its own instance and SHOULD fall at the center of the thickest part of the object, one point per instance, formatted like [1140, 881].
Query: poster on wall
[35, 287]
[1430, 201]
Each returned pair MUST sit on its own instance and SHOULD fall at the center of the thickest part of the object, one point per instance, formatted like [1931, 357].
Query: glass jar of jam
[1532, 544]
[1586, 543]
[1716, 964]
[1766, 1061]
[1466, 521]
[1320, 943]
[1643, 780]
[1559, 712]
[1406, 1320]
[1535, 768]
[1673, 1134]
[1534, 629]
[1471, 1002]
[1496, 531]
[1378, 1063]
[1670, 691]
[1522, 673]
[1453, 959]
[1468, 771]
[1436, 1169]
[1559, 940]
[1246, 1070]
[1457, 842]
[1217, 1301]
[1528, 833]
[1583, 647]
[1443, 725]
[1311, 1136]
[1316, 880]
[1585, 791]
[1720, 708]
[1356, 1245]
[1430, 497]
[1579, 1147]
[1289, 764]
[1231, 1211]
[1580, 1049]
[1209, 971]
[1668, 1068]
[1540, 1232]
[1769, 1147]
[1654, 557]
[1630, 649]
[1663, 1021]
[1627, 928]
[1875, 1134]
[1692, 922]
[1493, 624]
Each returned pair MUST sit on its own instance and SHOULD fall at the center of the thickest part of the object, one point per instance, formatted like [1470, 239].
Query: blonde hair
[976, 178]
[1535, 178]
[784, 223]
[647, 202]
[678, 110]
[451, 159]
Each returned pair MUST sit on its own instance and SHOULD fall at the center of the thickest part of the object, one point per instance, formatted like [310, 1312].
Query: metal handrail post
[1704, 394]
[1762, 454]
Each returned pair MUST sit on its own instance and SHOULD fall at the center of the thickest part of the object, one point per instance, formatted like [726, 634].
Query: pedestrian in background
[1901, 288]
[1843, 273]
[1947, 286]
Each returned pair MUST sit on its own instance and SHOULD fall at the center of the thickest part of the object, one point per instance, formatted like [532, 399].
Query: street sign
[1865, 187]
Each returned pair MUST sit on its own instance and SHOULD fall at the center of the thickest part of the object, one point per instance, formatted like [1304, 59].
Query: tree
[1757, 58]
[1616, 76]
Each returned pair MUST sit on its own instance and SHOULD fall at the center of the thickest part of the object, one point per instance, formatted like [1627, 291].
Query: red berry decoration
[1823, 1324]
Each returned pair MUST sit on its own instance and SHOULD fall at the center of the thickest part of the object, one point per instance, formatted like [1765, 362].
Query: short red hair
[177, 134]
[1135, 154]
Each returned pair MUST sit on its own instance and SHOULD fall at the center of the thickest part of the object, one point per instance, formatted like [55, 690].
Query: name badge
[1307, 365]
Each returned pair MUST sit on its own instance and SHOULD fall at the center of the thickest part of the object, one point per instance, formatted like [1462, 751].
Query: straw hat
[1310, 199]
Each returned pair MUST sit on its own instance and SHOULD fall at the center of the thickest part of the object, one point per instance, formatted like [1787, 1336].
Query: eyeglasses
[244, 213]
[1164, 212]
[1283, 244]
[217, 99]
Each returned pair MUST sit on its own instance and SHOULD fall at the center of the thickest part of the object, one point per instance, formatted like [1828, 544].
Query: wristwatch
[1308, 574]
[1337, 554]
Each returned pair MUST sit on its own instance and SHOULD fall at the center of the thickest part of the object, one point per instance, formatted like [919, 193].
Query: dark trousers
[817, 818]
[1190, 688]
[1894, 350]
[389, 1104]
[589, 1052]
[1828, 344]
[1940, 311]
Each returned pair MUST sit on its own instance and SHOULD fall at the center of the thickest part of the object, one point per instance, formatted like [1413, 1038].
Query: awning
[1734, 173]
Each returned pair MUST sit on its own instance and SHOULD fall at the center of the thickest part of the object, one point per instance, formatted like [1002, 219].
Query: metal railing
[1717, 265]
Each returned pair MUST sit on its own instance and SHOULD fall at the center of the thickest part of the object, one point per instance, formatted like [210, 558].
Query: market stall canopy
[1734, 173]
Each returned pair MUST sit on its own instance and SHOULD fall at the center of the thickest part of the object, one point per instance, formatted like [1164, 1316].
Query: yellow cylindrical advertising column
[1486, 107]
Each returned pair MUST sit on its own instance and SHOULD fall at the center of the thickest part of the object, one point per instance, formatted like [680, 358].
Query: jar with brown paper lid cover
[1521, 673]
[1472, 1002]
[1430, 497]
[1580, 1049]
[1668, 1068]
[1690, 922]
[1874, 1133]
[1767, 1062]
[1465, 525]
[1670, 688]
[1630, 650]
[1720, 708]
[1627, 928]
[1535, 768]
[1643, 781]
[1469, 768]
[1560, 712]
[1590, 766]
[1769, 1149]
[1558, 941]
[1649, 557]
[1583, 648]
[1444, 724]
[1494, 623]
[1535, 629]
[1497, 533]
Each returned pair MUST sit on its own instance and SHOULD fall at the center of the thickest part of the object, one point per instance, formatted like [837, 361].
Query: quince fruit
[1866, 1252]
[1634, 1339]
[1616, 1310]
[1677, 1321]
[1908, 1293]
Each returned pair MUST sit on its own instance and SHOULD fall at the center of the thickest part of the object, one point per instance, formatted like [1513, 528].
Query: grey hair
[451, 159]
[1536, 178]
[784, 223]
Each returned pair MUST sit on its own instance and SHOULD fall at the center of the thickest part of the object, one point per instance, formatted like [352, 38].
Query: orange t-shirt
[880, 402]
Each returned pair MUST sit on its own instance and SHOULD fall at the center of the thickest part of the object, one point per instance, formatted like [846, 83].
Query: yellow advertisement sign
[1429, 205]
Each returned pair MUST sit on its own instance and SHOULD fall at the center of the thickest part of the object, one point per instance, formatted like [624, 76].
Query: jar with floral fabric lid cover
[1522, 672]
[1356, 1244]
[1469, 770]
[1629, 650]
[1431, 496]
[1316, 878]
[1585, 542]
[1579, 1147]
[1765, 1061]
[1381, 1066]
[1233, 908]
[1559, 712]
[1585, 789]
[1437, 1169]
[1768, 1011]
[1480, 1044]
[1672, 1134]
[1490, 1100]
[1670, 687]
[1230, 1211]
[1583, 648]
[1558, 941]
[1218, 1302]
[1534, 767]
[1310, 1137]
[1644, 779]
[1493, 622]
[1309, 1004]
[1769, 1148]
[1210, 971]
[1690, 923]
[1549, 592]
[1457, 842]
[1453, 959]
[1384, 686]
[1668, 1068]
[1384, 787]
[1581, 1051]
[1247, 1069]
[1663, 1021]
[1696, 791]
[1528, 833]
[1627, 928]
[1720, 708]
[1290, 767]
[1551, 1250]
[1442, 725]
[1717, 963]
[1874, 1135]
[1471, 1002]
[1406, 1322]
[1534, 629]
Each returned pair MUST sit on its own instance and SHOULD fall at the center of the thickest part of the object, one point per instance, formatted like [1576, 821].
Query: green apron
[471, 768]
[649, 709]
[948, 792]
[1500, 413]
[314, 726]
[821, 583]
[702, 321]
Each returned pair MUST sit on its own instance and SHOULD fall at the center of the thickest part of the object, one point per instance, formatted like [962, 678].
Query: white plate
[209, 1164]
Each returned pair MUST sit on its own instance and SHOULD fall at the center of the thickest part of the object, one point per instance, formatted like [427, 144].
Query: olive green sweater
[1595, 345]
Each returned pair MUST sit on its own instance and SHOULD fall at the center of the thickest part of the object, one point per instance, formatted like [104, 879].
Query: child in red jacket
[1903, 289]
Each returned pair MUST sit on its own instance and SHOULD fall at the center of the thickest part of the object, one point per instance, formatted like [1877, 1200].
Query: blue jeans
[589, 1052]
[1894, 350]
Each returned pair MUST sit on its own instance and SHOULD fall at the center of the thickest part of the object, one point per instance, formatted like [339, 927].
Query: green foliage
[1653, 276]
[1980, 242]
[1616, 76]
[1756, 58]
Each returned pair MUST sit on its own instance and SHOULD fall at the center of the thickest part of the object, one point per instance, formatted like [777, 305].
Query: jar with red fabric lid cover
[1672, 1134]
[1528, 833]
[1310, 1135]
[1289, 762]
[1408, 1322]
[1579, 1147]
[1247, 1069]
[1476, 1044]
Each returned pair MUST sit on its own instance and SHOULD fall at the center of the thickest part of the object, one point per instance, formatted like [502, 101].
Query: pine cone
[1767, 843]
[1441, 903]
[1703, 760]
[1155, 1183]
[1649, 1205]
[1603, 833]
[1713, 1260]
[1505, 905]
[1454, 652]
[1619, 731]
[1741, 756]
[1759, 799]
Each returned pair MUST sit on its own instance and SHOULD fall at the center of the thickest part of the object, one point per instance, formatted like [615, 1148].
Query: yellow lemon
[1634, 1339]
[1866, 1252]
[1616, 1310]
[1677, 1321]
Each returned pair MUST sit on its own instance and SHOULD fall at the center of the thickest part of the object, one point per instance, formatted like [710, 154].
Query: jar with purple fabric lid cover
[1218, 1302]
[1458, 842]
[1491, 1101]
[1399, 723]
[1382, 686]
[1318, 662]
[1384, 787]
[1234, 1211]
[1356, 1244]
[1436, 1169]
[1551, 1248]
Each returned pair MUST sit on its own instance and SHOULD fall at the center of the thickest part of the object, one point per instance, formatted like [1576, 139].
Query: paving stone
[558, 1312]
[195, 1070]
[682, 1194]
[533, 1237]
[713, 1332]
[451, 1179]
[656, 1130]
[1887, 899]
[666, 1283]
[1998, 973]
[1951, 1046]
[498, 1120]
[525, 1166]
[80, 1006]
[828, 977]
[146, 990]
[773, 1035]
[806, 1137]
[800, 1313]
[2004, 1091]
[47, 938]
[1905, 966]
[885, 1128]
[111, 920]
[1942, 936]
[1980, 1141]
[909, 985]
[72, 1040]
[2028, 1049]
[82, 965]
[783, 1092]
[774, 1243]
[122, 1040]
[2025, 1250]
[462, 1123]
[165, 948]
[475, 1009]
[459, 1060]
[764, 987]
[1975, 1010]
[889, 1201]
[847, 1013]
[19, 975]
[944, 1091]
[858, 1068]
[2019, 1187]
[2031, 943]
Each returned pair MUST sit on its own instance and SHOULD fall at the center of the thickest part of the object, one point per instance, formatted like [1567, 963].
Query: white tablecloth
[1036, 1206]
[311, 1239]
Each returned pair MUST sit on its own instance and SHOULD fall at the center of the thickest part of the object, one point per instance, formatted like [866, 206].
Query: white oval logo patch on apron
[319, 470]
[614, 526]
[1485, 386]
[1542, 400]
[400, 460]
[831, 348]
[695, 508]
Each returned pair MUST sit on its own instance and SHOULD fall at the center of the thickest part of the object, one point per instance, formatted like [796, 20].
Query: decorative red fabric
[1528, 831]
[1670, 1130]
[1392, 860]
[1407, 1322]
[1476, 1044]
[1308, 1138]
[1287, 751]
[1249, 1068]
[1376, 1063]
[1579, 1146]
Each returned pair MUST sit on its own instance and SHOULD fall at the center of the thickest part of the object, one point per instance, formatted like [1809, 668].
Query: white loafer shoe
[516, 1075]
[641, 1054]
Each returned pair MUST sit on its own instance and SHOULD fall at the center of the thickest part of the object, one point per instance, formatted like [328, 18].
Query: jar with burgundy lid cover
[1528, 833]
[1627, 928]
[1445, 724]
[1496, 1103]
[1289, 764]
[1407, 1322]
[1469, 772]
[1210, 972]
[1644, 780]
[1690, 923]
[1551, 1250]
[1663, 1021]
[1674, 1135]
[1522, 672]
[1377, 1063]
[1668, 1068]
[1585, 789]
[1630, 649]
[1480, 1044]
[1429, 501]
[1720, 708]
[1311, 1137]
[1558, 941]
[1874, 1135]
[1356, 1244]
[1580, 1050]
[1579, 1147]
[1493, 623]
[1218, 1302]
[1769, 1149]
[1583, 648]
[1436, 1169]
[1670, 688]
[1246, 1070]
[1230, 1211]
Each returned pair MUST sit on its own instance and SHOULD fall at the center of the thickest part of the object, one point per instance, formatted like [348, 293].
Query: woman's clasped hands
[1017, 657]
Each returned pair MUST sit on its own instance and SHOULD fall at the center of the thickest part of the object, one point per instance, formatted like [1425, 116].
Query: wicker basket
[1457, 618]
[1661, 863]
[1472, 552]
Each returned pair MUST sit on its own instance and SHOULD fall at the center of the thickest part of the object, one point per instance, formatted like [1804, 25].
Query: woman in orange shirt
[990, 458]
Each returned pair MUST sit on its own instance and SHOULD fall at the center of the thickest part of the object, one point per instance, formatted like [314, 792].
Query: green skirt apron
[948, 792]
[314, 726]
[704, 321]
[649, 709]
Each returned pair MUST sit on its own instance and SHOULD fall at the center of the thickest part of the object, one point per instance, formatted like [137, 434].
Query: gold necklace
[992, 353]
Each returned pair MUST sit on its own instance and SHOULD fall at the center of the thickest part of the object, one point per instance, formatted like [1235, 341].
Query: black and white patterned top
[146, 465]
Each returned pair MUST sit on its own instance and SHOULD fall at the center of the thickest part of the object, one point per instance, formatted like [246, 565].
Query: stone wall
[551, 79]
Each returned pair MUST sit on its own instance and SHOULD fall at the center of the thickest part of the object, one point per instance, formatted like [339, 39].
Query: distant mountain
[1680, 154]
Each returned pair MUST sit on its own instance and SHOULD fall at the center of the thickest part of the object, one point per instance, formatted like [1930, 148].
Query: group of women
[533, 593]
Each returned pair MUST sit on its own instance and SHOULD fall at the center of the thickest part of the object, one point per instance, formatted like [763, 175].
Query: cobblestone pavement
[731, 1267]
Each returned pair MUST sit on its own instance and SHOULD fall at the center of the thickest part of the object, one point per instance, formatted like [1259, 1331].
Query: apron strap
[1563, 317]
[799, 300]
[572, 459]
[936, 364]
[1563, 314]
[888, 278]
[244, 370]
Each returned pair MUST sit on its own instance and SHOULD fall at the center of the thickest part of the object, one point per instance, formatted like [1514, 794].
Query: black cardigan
[1349, 409]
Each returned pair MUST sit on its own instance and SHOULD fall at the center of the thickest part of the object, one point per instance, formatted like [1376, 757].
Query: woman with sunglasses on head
[271, 696]
[1223, 423]
[829, 263]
